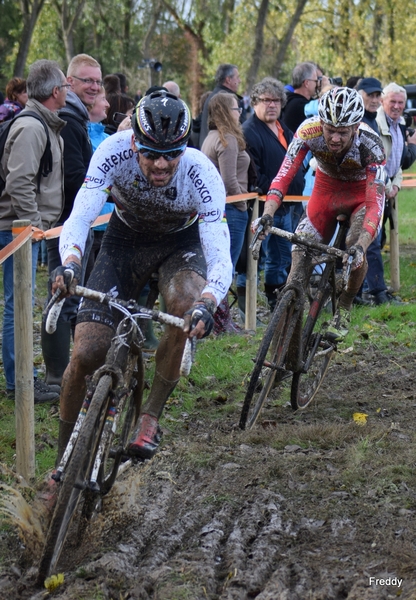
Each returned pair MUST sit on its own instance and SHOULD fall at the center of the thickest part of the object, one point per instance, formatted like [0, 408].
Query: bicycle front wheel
[74, 479]
[316, 350]
[128, 409]
[306, 385]
[269, 364]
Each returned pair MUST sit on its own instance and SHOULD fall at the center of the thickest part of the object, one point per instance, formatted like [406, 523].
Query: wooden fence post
[23, 343]
[251, 278]
[394, 246]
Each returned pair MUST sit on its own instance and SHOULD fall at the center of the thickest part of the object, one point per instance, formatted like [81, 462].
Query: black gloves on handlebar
[70, 272]
[202, 311]
[266, 221]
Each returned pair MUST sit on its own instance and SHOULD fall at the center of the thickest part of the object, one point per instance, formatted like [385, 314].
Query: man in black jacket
[227, 80]
[306, 83]
[84, 75]
[268, 138]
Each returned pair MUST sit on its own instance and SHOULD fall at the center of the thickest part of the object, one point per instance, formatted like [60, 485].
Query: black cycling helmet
[341, 107]
[161, 121]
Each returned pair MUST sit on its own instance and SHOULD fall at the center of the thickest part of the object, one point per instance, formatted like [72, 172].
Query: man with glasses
[84, 77]
[227, 79]
[29, 194]
[268, 138]
[306, 84]
[169, 219]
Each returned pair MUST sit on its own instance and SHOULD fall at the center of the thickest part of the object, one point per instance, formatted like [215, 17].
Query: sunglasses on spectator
[89, 81]
[152, 154]
[240, 110]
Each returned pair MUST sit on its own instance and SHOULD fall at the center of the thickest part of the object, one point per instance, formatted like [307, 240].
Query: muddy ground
[309, 506]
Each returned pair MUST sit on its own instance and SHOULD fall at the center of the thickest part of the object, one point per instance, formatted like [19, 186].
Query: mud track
[311, 506]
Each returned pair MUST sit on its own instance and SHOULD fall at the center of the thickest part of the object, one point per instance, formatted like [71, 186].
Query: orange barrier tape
[409, 183]
[252, 196]
[24, 233]
[38, 234]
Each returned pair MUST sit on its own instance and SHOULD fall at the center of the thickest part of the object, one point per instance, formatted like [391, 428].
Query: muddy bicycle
[296, 344]
[97, 449]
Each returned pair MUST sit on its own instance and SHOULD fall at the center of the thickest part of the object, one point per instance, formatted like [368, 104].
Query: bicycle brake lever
[256, 236]
[52, 301]
[348, 268]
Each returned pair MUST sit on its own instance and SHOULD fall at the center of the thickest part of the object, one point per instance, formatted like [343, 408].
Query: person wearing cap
[168, 219]
[371, 90]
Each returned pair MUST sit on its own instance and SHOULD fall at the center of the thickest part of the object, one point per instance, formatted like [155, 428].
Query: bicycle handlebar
[295, 239]
[54, 307]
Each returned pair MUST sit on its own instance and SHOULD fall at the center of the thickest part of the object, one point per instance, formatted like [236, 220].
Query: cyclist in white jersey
[169, 219]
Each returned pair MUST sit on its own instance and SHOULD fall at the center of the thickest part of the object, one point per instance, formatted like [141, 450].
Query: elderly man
[227, 80]
[370, 89]
[28, 196]
[84, 76]
[268, 139]
[306, 82]
[400, 149]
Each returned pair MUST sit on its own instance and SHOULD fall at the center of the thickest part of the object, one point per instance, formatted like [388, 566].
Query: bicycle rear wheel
[317, 351]
[269, 364]
[75, 479]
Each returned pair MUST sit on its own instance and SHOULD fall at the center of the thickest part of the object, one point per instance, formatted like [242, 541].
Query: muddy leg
[91, 343]
[357, 277]
[179, 295]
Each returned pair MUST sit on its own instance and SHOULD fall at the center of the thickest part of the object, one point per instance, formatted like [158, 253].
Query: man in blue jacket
[268, 138]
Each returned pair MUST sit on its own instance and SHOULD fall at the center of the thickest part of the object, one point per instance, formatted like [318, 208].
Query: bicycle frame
[128, 336]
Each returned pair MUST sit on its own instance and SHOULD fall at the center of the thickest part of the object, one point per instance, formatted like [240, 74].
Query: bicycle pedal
[332, 338]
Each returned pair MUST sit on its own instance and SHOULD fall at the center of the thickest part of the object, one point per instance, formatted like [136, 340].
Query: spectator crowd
[245, 136]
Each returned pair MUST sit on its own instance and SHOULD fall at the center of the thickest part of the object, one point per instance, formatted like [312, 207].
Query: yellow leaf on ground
[53, 582]
[360, 418]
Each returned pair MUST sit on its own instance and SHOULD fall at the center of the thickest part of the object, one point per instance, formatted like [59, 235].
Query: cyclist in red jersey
[349, 180]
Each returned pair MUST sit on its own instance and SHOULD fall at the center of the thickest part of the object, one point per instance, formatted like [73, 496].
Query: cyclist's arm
[375, 187]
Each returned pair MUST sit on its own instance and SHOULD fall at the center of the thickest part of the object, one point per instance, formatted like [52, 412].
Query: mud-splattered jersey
[364, 160]
[196, 191]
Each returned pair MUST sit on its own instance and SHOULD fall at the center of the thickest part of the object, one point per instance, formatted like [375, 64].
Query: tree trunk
[258, 45]
[69, 15]
[197, 50]
[30, 14]
[287, 37]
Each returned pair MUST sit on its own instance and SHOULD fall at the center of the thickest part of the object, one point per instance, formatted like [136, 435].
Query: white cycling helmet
[341, 107]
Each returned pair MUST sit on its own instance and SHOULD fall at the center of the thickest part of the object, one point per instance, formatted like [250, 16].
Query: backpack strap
[46, 161]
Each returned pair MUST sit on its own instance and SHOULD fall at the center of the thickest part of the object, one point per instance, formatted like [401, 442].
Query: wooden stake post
[394, 247]
[23, 343]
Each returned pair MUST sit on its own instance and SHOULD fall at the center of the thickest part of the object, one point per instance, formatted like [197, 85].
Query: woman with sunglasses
[225, 147]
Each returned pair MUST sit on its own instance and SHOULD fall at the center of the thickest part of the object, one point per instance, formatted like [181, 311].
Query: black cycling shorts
[126, 262]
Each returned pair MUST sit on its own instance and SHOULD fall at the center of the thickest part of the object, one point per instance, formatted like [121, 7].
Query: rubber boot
[151, 342]
[271, 292]
[65, 430]
[241, 302]
[55, 350]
